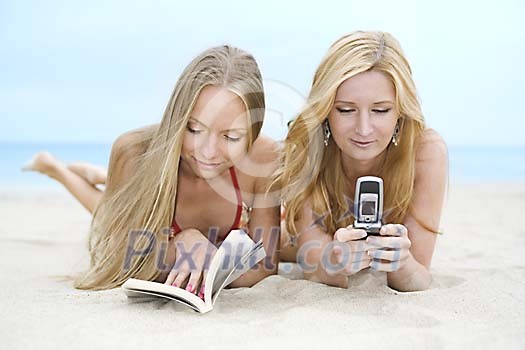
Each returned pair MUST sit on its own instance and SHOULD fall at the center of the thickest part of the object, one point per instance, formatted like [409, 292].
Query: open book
[236, 255]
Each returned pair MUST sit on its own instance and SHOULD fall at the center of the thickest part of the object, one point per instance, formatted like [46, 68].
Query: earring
[327, 133]
[395, 137]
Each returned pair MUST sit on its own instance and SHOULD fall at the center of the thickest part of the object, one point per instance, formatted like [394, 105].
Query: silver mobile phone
[368, 204]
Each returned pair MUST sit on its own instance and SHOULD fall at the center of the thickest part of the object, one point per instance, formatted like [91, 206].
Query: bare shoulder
[125, 152]
[262, 159]
[431, 147]
[132, 143]
[264, 149]
[431, 161]
[260, 164]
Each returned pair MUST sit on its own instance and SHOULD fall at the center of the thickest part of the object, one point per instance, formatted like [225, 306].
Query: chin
[210, 174]
[363, 155]
[206, 174]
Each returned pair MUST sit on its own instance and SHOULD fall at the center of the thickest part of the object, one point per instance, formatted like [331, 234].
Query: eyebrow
[375, 103]
[201, 123]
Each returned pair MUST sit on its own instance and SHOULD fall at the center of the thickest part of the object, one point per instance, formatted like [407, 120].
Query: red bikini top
[236, 223]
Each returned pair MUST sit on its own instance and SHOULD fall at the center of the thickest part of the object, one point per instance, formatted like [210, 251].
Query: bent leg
[86, 193]
[93, 174]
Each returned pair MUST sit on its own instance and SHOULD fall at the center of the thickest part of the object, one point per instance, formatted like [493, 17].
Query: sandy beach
[476, 299]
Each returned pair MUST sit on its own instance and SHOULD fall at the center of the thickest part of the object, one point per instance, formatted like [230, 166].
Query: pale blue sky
[88, 71]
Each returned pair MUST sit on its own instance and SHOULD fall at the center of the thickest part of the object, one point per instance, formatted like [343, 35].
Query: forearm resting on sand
[411, 277]
[315, 271]
[254, 275]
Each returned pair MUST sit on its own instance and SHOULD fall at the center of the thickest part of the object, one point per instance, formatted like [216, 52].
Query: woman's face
[364, 115]
[217, 132]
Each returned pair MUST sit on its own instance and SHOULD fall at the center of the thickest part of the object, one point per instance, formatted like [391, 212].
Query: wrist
[412, 276]
[409, 264]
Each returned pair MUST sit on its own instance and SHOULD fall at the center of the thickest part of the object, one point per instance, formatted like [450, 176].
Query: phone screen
[368, 207]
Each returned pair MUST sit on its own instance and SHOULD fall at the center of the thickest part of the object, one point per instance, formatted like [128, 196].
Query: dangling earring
[395, 137]
[327, 133]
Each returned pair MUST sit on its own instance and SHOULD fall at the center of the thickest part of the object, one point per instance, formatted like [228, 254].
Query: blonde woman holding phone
[362, 118]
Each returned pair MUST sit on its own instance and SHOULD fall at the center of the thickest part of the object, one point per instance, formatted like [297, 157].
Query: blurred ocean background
[467, 164]
[77, 75]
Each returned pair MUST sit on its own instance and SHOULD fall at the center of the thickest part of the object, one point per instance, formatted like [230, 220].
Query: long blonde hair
[312, 171]
[146, 202]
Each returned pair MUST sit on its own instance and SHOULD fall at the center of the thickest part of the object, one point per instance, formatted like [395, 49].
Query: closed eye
[386, 110]
[232, 139]
[194, 131]
[345, 110]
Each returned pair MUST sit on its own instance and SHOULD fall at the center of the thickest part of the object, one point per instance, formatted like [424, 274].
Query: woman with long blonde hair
[362, 118]
[191, 179]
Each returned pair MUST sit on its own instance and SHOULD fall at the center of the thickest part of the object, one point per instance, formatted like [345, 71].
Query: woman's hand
[194, 253]
[391, 250]
[350, 251]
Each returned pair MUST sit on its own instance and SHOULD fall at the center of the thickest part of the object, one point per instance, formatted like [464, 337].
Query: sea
[467, 164]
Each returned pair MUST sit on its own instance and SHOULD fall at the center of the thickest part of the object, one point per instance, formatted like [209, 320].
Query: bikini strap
[237, 222]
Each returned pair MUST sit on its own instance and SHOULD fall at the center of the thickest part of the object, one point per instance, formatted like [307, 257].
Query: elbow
[252, 277]
[339, 280]
[415, 284]
[241, 282]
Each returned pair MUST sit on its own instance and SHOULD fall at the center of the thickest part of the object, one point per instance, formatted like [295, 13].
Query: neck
[353, 168]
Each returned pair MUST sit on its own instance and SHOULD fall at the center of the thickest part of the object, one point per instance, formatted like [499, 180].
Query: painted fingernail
[189, 288]
[174, 284]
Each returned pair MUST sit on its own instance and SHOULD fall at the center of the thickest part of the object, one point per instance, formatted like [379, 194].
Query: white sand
[477, 297]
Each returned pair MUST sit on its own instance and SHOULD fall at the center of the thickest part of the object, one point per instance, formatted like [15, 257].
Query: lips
[362, 144]
[206, 165]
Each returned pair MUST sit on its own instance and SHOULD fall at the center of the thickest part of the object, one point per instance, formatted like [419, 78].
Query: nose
[209, 148]
[364, 126]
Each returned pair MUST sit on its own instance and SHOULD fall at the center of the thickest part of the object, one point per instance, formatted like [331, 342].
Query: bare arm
[264, 219]
[424, 215]
[314, 248]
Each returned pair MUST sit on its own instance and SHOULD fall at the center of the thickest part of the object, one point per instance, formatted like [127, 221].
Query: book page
[241, 264]
[133, 287]
[131, 293]
[256, 254]
[233, 253]
[236, 255]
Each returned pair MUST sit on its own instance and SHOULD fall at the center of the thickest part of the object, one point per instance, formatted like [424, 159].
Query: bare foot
[93, 174]
[43, 162]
